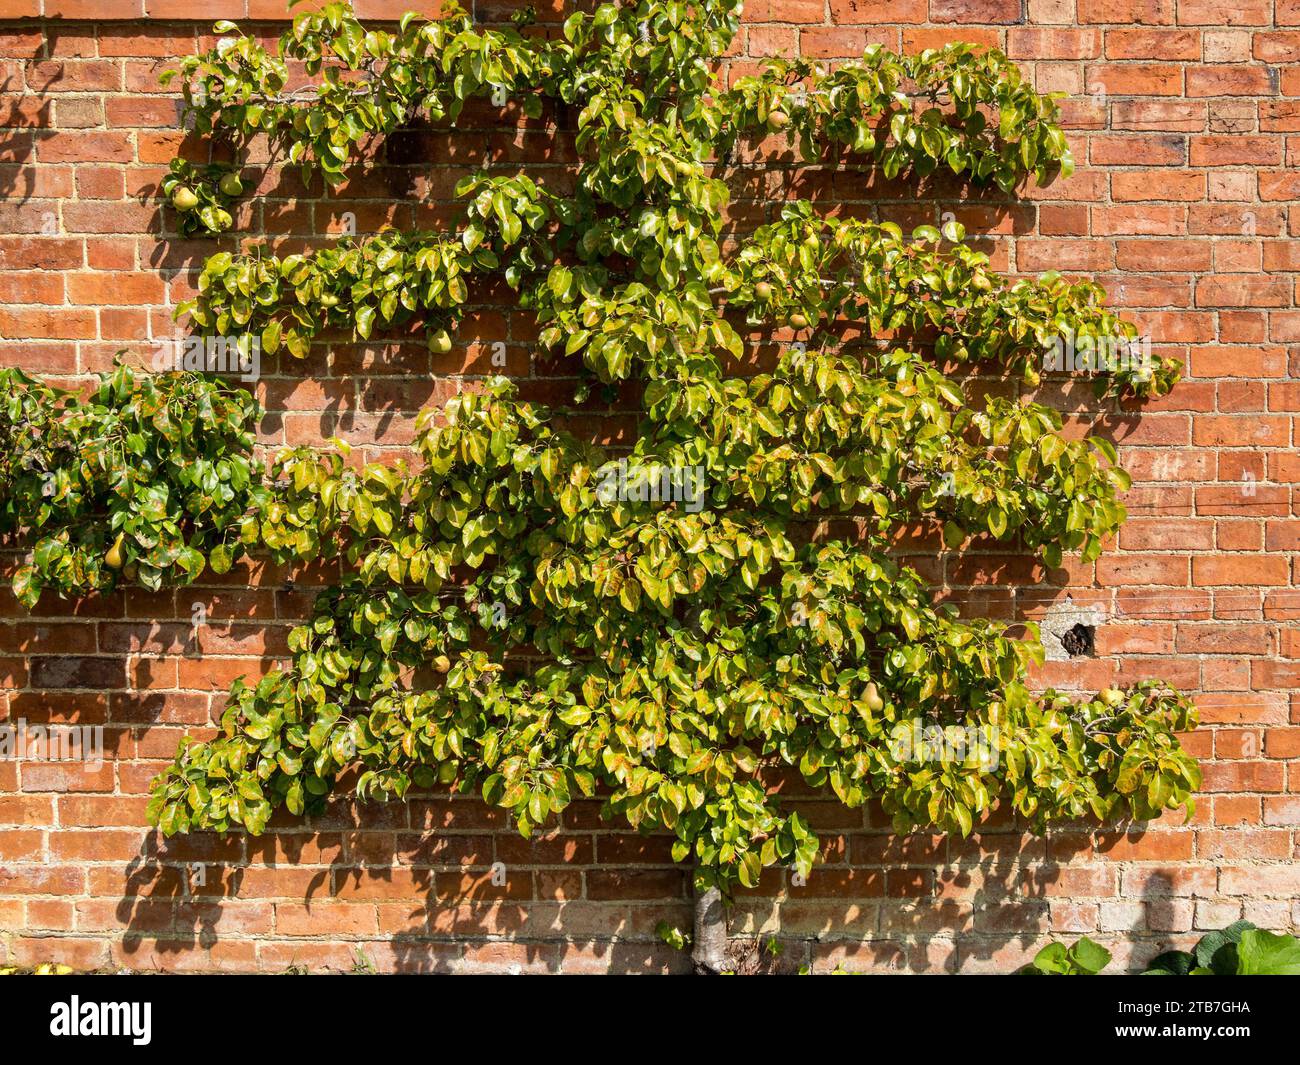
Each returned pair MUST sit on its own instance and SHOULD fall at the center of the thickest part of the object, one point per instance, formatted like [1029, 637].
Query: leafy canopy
[509, 628]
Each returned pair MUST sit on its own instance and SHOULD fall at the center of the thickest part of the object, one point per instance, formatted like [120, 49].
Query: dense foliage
[147, 479]
[1241, 949]
[507, 625]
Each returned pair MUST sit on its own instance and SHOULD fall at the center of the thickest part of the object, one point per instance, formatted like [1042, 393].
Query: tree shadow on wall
[26, 118]
[440, 884]
[380, 885]
[844, 187]
[984, 904]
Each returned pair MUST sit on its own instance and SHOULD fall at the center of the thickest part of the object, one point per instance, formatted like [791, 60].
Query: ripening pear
[872, 697]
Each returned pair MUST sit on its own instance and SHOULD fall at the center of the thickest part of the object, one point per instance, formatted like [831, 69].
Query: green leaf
[1089, 956]
[1261, 953]
[1172, 963]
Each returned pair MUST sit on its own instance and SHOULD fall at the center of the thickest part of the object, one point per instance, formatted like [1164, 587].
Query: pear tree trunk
[709, 951]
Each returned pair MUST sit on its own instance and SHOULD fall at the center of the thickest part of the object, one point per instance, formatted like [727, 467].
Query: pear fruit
[872, 698]
[763, 291]
[440, 342]
[183, 198]
[114, 559]
[230, 185]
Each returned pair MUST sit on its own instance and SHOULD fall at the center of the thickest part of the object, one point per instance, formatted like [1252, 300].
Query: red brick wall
[1185, 121]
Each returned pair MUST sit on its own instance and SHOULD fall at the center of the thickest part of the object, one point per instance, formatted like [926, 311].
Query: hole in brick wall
[1080, 641]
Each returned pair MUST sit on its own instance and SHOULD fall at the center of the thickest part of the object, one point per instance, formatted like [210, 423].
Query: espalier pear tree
[533, 618]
